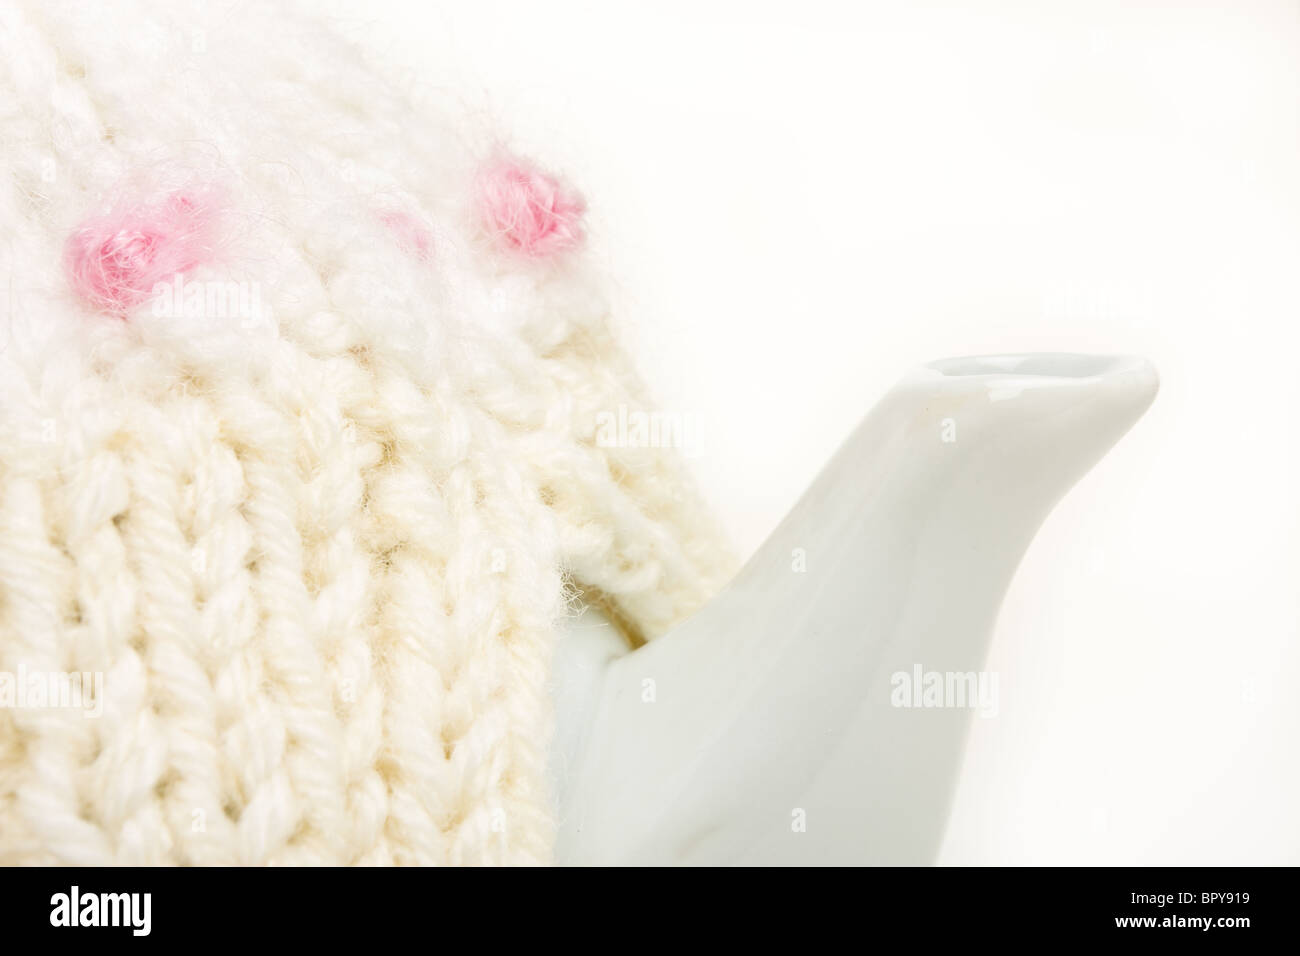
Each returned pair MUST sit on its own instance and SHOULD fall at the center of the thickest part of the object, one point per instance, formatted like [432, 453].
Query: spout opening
[1037, 365]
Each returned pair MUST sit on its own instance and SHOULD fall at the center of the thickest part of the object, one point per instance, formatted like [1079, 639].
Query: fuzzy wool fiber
[318, 536]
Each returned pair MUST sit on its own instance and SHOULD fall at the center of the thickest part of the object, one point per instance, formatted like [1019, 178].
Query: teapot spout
[816, 710]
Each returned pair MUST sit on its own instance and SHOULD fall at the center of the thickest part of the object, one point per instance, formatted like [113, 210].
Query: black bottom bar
[337, 907]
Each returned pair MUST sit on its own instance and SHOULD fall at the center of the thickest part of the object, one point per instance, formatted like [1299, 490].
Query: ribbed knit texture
[318, 555]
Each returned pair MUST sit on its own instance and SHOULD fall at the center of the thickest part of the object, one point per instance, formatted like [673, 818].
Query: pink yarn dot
[411, 234]
[527, 210]
[114, 261]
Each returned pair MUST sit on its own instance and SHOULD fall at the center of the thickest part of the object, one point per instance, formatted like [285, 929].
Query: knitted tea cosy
[300, 384]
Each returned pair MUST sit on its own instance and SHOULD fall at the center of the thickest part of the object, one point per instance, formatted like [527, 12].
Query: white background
[801, 200]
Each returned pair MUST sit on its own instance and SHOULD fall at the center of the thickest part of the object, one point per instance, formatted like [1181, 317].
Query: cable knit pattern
[317, 549]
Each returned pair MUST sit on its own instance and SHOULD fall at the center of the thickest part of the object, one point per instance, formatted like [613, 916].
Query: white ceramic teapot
[785, 723]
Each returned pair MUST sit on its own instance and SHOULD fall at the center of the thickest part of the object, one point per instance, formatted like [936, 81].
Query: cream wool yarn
[313, 530]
